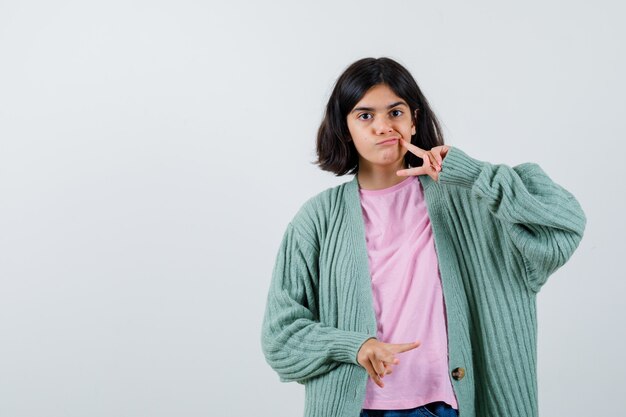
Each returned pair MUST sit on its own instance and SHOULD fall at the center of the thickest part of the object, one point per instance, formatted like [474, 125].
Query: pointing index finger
[412, 148]
[403, 347]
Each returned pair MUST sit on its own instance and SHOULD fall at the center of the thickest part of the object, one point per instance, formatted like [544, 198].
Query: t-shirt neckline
[391, 189]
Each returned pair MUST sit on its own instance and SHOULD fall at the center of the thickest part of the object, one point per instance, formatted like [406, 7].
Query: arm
[544, 222]
[295, 344]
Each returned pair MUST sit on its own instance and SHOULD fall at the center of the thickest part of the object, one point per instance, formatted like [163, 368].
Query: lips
[388, 141]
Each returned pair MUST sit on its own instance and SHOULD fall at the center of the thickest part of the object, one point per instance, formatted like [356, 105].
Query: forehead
[380, 95]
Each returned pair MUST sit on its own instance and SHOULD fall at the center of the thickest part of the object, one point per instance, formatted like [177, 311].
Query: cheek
[361, 146]
[407, 129]
[355, 132]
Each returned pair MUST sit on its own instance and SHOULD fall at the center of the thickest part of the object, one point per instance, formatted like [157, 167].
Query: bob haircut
[335, 149]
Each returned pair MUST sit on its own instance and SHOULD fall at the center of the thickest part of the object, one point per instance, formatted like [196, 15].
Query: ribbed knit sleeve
[295, 344]
[544, 222]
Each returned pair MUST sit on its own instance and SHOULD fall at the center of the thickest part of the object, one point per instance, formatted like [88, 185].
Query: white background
[152, 153]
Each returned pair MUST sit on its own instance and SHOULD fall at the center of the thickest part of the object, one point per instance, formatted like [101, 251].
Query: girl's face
[380, 115]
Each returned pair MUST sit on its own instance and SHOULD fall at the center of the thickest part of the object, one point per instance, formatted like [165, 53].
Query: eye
[363, 114]
[397, 112]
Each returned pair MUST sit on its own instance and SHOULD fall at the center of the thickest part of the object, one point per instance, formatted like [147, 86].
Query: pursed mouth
[390, 140]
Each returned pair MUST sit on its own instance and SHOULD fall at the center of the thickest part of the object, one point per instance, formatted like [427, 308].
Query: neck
[377, 177]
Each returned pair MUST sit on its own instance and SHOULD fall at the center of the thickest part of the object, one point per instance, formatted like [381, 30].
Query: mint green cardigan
[499, 233]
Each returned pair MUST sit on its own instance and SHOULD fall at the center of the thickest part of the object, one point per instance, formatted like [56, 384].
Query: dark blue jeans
[436, 409]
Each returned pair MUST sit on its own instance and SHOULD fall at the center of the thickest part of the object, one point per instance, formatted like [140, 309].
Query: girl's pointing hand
[377, 357]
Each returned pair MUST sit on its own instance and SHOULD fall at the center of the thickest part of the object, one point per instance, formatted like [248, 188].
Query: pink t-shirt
[408, 298]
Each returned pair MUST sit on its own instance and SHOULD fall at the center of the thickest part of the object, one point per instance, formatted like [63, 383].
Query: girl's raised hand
[433, 160]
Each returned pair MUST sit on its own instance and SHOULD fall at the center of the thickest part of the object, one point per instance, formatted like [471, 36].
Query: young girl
[410, 290]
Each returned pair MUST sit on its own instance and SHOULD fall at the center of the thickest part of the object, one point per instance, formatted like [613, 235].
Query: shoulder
[319, 210]
[321, 203]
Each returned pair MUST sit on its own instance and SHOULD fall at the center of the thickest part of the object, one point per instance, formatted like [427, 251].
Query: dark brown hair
[335, 149]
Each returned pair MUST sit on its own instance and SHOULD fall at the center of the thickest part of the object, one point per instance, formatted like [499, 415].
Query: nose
[382, 126]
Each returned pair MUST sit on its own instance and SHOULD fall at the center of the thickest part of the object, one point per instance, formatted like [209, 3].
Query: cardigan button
[458, 373]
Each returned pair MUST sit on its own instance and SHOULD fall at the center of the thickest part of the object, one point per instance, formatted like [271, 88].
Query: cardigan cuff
[458, 168]
[346, 348]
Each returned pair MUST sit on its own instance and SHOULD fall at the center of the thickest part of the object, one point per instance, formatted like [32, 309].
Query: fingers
[420, 152]
[432, 172]
[378, 357]
[436, 156]
[444, 150]
[374, 374]
[379, 368]
[388, 369]
[412, 148]
[379, 364]
[426, 168]
[435, 160]
[412, 171]
[403, 347]
[440, 152]
[431, 165]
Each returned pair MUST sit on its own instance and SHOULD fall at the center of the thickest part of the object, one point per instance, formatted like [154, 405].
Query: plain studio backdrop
[152, 154]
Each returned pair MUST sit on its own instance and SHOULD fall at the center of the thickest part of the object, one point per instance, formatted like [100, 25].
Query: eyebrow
[398, 103]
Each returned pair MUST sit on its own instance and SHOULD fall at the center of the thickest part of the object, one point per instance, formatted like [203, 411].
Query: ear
[414, 121]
